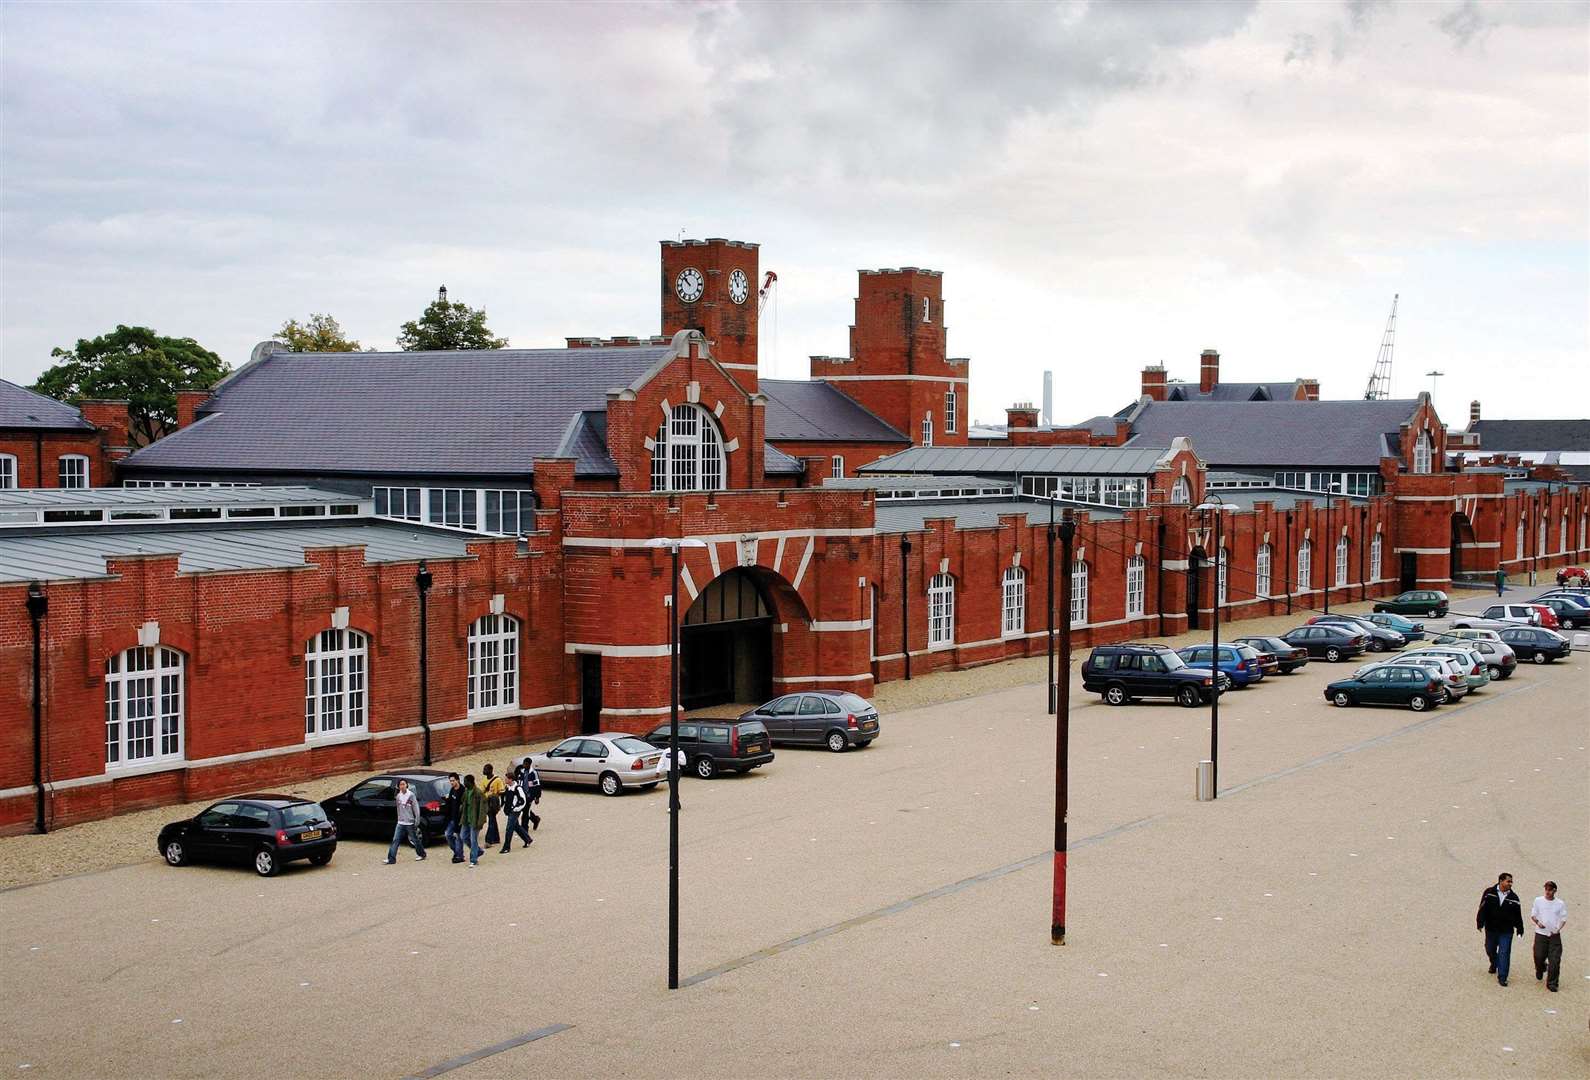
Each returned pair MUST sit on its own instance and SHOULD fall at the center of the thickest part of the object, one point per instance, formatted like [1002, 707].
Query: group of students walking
[471, 806]
[1501, 916]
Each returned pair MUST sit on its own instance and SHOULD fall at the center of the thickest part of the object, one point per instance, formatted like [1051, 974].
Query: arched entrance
[726, 644]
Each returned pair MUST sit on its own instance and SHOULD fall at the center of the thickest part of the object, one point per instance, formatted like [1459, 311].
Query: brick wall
[38, 455]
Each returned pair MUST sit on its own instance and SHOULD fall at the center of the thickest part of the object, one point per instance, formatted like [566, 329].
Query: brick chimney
[1474, 413]
[1310, 389]
[188, 402]
[1208, 371]
[1021, 415]
[1154, 387]
[112, 420]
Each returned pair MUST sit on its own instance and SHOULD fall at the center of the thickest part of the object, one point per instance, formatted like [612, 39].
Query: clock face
[690, 284]
[739, 288]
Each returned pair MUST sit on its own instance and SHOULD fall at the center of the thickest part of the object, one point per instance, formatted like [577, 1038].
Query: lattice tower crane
[1380, 379]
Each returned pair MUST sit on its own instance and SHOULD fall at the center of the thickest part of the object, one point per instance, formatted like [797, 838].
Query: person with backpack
[492, 788]
[452, 811]
[471, 815]
[532, 791]
[513, 805]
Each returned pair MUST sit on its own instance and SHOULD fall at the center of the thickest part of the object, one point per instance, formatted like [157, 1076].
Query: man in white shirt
[1548, 914]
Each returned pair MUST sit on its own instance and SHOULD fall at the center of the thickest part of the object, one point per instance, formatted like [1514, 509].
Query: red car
[1573, 575]
[1548, 617]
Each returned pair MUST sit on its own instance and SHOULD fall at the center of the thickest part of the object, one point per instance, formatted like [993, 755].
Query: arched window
[1562, 534]
[941, 611]
[493, 663]
[1540, 535]
[1181, 491]
[335, 682]
[1421, 453]
[1013, 603]
[927, 429]
[1136, 572]
[1584, 536]
[1374, 558]
[8, 471]
[1341, 562]
[688, 455]
[949, 411]
[1518, 540]
[1305, 565]
[72, 471]
[143, 706]
[1222, 596]
[1079, 593]
[1261, 574]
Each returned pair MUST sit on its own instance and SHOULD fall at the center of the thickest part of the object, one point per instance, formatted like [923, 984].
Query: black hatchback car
[714, 746]
[1288, 656]
[818, 718]
[1122, 672]
[369, 808]
[265, 831]
[1534, 643]
[1328, 641]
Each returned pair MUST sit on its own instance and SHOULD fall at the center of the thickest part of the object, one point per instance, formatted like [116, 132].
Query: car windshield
[1172, 661]
[634, 746]
[853, 703]
[307, 813]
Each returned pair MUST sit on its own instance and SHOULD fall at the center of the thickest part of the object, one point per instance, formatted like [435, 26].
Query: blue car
[1413, 631]
[1234, 662]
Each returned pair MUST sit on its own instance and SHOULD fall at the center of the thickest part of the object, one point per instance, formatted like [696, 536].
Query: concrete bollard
[1204, 781]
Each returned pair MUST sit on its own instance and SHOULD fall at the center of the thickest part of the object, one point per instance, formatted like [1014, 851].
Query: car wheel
[706, 768]
[837, 741]
[1539, 658]
[611, 784]
[265, 862]
[1418, 703]
[1341, 699]
[320, 860]
[1376, 645]
[175, 853]
[1187, 697]
[1495, 672]
[1333, 654]
[1116, 695]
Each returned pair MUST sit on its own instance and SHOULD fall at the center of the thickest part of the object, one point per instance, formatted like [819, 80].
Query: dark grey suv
[819, 718]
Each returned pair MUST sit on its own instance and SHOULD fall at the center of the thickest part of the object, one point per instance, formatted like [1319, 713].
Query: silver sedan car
[611, 761]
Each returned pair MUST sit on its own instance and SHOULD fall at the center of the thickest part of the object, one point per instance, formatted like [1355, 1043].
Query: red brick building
[45, 443]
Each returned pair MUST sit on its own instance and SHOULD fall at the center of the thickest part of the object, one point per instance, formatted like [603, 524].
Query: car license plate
[870, 725]
[312, 834]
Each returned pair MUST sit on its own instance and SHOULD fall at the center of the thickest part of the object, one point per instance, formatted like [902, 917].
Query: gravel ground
[128, 838]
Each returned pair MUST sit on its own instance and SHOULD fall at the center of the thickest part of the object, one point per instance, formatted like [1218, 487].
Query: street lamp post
[422, 583]
[1219, 506]
[1062, 710]
[1049, 625]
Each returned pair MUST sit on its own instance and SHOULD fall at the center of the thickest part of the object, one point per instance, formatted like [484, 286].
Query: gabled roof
[22, 408]
[485, 412]
[1234, 391]
[1512, 435]
[1302, 433]
[1135, 460]
[806, 411]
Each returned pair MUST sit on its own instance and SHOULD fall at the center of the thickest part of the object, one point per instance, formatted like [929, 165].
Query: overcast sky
[1104, 186]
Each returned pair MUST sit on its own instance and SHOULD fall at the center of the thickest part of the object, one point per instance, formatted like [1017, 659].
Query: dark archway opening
[1196, 560]
[726, 644]
[1462, 534]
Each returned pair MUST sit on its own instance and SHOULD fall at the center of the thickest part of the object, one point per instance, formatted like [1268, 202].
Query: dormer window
[689, 452]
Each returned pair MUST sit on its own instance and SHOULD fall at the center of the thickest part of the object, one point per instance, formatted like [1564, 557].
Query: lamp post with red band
[1062, 745]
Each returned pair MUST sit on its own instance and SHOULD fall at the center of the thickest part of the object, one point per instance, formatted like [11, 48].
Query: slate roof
[807, 411]
[1234, 434]
[22, 408]
[466, 413]
[1516, 435]
[776, 462]
[1136, 460]
[1234, 391]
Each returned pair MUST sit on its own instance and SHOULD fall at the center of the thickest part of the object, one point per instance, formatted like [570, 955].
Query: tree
[135, 364]
[319, 333]
[448, 326]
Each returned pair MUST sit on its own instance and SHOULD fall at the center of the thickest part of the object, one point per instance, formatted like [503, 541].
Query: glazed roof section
[121, 498]
[809, 411]
[900, 517]
[1279, 433]
[1136, 460]
[22, 408]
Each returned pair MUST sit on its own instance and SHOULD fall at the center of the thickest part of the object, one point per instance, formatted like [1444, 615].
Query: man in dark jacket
[1500, 917]
[452, 813]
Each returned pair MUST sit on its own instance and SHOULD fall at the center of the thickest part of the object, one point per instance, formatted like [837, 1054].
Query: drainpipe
[422, 582]
[1159, 573]
[1288, 563]
[38, 604]
[905, 605]
[38, 459]
[1363, 553]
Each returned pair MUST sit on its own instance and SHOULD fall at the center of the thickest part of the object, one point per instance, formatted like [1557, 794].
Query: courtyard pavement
[885, 913]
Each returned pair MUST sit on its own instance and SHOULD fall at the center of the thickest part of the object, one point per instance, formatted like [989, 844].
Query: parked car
[369, 808]
[1505, 614]
[1576, 598]
[1470, 633]
[265, 831]
[714, 746]
[1381, 639]
[1122, 672]
[611, 761]
[1573, 575]
[1243, 670]
[1475, 672]
[818, 718]
[1390, 684]
[1498, 657]
[1288, 657]
[1330, 641]
[1548, 616]
[1453, 681]
[1431, 603]
[1268, 662]
[1537, 643]
[1570, 616]
[1413, 631]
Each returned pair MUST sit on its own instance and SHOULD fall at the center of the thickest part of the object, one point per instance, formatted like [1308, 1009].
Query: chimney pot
[1208, 371]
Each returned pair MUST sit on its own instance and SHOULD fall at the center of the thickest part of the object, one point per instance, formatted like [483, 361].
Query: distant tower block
[1048, 398]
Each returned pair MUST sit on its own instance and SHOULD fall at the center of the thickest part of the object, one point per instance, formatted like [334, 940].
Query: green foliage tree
[448, 325]
[318, 333]
[135, 364]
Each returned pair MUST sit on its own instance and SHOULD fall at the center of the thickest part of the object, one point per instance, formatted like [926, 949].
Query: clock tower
[710, 285]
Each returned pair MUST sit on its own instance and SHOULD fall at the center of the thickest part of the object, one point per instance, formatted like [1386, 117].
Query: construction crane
[1380, 379]
[761, 295]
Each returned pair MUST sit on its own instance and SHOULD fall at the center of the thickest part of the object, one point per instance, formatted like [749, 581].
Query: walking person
[409, 826]
[452, 812]
[471, 815]
[1548, 914]
[532, 792]
[513, 804]
[1501, 580]
[1500, 916]
[492, 787]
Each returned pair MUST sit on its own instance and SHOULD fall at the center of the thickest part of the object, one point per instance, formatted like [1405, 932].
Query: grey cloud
[1301, 51]
[1463, 24]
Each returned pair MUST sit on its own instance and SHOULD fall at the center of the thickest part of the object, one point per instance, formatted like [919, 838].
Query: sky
[1104, 186]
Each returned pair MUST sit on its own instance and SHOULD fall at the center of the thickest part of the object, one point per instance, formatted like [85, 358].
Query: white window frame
[8, 472]
[493, 678]
[62, 474]
[951, 404]
[1181, 491]
[1518, 539]
[1013, 603]
[1222, 578]
[1376, 547]
[145, 705]
[688, 454]
[941, 611]
[1136, 586]
[1422, 448]
[1540, 535]
[836, 467]
[1343, 551]
[336, 683]
[1079, 593]
[927, 309]
[1584, 535]
[927, 428]
[1305, 565]
[1262, 570]
[1562, 534]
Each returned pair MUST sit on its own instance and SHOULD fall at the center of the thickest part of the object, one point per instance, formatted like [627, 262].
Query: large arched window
[1261, 575]
[1222, 594]
[941, 611]
[688, 455]
[1341, 562]
[1374, 558]
[1540, 535]
[1079, 593]
[1562, 534]
[1013, 603]
[1518, 539]
[336, 686]
[1421, 453]
[1305, 565]
[1181, 491]
[1136, 572]
[493, 663]
[143, 706]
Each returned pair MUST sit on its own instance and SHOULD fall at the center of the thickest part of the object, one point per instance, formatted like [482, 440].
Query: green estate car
[1428, 602]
